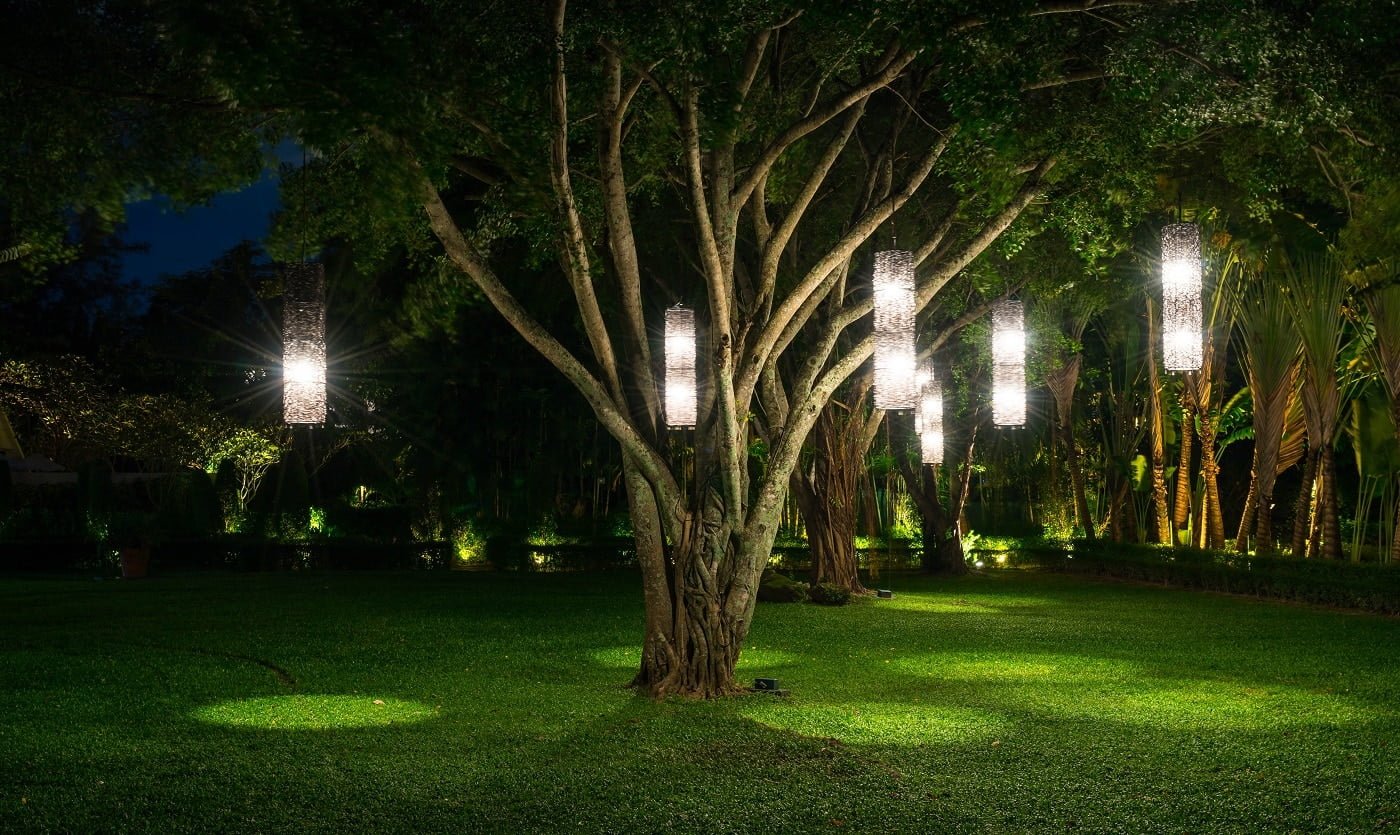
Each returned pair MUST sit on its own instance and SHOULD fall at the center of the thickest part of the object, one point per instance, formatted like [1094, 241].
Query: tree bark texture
[1302, 513]
[1161, 510]
[1181, 507]
[1212, 521]
[943, 552]
[1062, 383]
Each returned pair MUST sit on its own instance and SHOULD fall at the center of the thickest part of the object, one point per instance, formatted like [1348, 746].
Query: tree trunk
[827, 491]
[1122, 518]
[945, 555]
[942, 545]
[1247, 517]
[828, 513]
[1076, 480]
[1395, 421]
[1061, 383]
[1264, 531]
[710, 588]
[1181, 510]
[1212, 520]
[1302, 516]
[1161, 512]
[1327, 504]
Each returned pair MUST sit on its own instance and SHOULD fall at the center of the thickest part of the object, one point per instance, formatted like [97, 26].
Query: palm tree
[1316, 289]
[1062, 378]
[1204, 390]
[1382, 300]
[1270, 345]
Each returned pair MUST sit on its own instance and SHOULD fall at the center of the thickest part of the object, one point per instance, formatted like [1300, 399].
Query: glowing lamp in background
[895, 387]
[928, 417]
[303, 343]
[1181, 297]
[680, 367]
[1009, 363]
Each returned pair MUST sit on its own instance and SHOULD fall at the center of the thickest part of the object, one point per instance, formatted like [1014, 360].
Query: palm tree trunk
[1302, 514]
[1213, 521]
[1247, 518]
[1327, 505]
[1395, 420]
[1181, 510]
[1076, 480]
[1161, 512]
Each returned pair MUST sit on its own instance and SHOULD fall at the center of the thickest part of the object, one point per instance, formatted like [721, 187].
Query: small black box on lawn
[766, 684]
[885, 594]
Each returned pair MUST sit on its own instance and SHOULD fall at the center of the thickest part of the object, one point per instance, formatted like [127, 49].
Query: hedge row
[76, 555]
[1364, 586]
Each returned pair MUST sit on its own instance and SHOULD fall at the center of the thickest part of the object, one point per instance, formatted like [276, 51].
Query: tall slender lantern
[894, 330]
[1009, 363]
[304, 343]
[680, 366]
[1181, 297]
[928, 416]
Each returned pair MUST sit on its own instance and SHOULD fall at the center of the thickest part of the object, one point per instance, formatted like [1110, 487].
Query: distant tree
[1269, 345]
[1317, 289]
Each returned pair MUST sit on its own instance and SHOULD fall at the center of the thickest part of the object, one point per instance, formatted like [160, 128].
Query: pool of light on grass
[1083, 687]
[314, 712]
[878, 723]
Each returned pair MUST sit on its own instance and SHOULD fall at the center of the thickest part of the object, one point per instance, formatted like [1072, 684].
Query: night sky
[192, 239]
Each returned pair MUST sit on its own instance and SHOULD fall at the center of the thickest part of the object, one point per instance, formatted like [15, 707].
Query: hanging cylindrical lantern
[1181, 297]
[928, 417]
[894, 330]
[680, 367]
[1008, 363]
[303, 343]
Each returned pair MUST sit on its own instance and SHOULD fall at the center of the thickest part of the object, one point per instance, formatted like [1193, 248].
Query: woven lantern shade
[680, 367]
[1009, 363]
[894, 330]
[304, 343]
[1181, 297]
[928, 417]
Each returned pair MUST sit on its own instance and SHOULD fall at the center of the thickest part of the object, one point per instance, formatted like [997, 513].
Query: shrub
[775, 588]
[827, 594]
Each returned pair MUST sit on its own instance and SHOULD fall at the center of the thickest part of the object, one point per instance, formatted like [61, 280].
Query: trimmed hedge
[1364, 586]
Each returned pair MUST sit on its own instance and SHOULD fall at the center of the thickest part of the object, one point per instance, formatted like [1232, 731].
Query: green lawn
[476, 702]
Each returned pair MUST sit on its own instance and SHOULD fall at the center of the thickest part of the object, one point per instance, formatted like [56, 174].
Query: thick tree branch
[613, 419]
[622, 243]
[896, 62]
[763, 347]
[574, 246]
[990, 231]
[778, 241]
